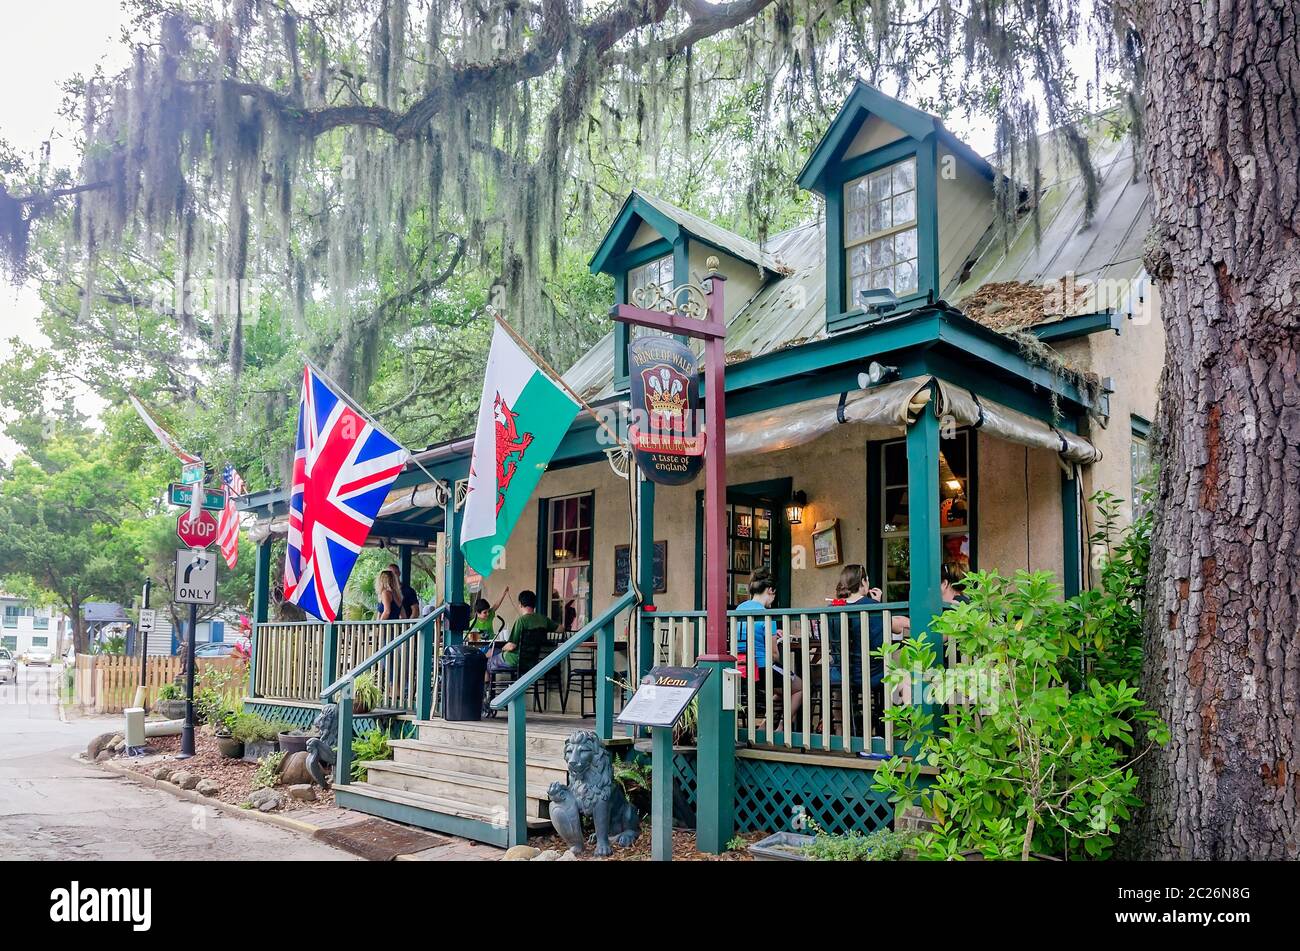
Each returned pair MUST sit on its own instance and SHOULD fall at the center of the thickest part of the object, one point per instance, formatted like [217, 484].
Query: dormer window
[880, 231]
[658, 271]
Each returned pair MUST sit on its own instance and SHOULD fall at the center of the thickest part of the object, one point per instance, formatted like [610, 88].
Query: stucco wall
[833, 472]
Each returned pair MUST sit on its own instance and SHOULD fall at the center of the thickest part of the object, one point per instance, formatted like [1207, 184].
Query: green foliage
[737, 843]
[883, 845]
[1110, 615]
[268, 769]
[366, 694]
[116, 644]
[368, 747]
[170, 692]
[1026, 764]
[217, 695]
[251, 728]
[633, 776]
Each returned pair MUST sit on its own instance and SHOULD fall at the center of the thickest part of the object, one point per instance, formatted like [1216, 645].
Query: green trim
[868, 162]
[517, 771]
[875, 511]
[715, 818]
[620, 234]
[661, 795]
[699, 550]
[542, 582]
[424, 818]
[1080, 325]
[329, 654]
[646, 581]
[925, 546]
[835, 269]
[1139, 426]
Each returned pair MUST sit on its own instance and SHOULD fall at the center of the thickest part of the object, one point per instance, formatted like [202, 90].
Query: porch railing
[832, 706]
[422, 637]
[396, 673]
[293, 660]
[288, 661]
[601, 629]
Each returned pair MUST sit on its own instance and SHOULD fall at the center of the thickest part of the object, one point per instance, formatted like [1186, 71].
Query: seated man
[527, 638]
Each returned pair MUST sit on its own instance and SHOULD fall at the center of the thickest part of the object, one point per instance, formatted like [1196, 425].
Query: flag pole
[555, 377]
[351, 401]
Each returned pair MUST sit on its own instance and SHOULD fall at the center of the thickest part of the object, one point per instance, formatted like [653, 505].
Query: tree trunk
[1222, 103]
[78, 626]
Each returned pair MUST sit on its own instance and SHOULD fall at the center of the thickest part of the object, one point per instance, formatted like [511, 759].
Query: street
[52, 807]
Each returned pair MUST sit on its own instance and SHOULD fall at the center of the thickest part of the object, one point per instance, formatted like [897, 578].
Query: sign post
[659, 702]
[196, 583]
[694, 311]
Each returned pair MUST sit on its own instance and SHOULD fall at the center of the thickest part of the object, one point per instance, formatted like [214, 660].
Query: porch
[973, 457]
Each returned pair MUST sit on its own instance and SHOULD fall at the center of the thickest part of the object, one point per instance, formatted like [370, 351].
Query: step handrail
[557, 656]
[383, 652]
[343, 756]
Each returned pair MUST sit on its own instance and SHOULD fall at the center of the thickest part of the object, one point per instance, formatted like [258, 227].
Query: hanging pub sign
[665, 430]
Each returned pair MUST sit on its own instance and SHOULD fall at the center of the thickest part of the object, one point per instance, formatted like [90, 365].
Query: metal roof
[791, 310]
[718, 237]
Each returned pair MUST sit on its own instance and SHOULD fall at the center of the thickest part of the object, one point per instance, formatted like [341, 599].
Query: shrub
[883, 845]
[369, 746]
[170, 692]
[268, 769]
[1026, 763]
[251, 728]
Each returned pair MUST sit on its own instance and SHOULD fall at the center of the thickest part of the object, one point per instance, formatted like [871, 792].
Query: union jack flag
[343, 467]
[228, 523]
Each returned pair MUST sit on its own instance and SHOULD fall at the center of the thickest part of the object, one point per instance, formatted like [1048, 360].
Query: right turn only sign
[196, 577]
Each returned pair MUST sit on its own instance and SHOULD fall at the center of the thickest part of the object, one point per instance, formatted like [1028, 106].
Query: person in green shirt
[527, 636]
[484, 626]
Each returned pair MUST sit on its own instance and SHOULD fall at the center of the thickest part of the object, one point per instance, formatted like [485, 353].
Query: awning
[885, 412]
[426, 495]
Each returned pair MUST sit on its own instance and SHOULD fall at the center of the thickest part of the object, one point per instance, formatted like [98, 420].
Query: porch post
[925, 550]
[646, 576]
[1070, 541]
[453, 585]
[404, 563]
[261, 606]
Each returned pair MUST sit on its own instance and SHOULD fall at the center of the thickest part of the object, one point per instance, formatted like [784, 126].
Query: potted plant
[256, 734]
[366, 695]
[231, 746]
[293, 741]
[171, 702]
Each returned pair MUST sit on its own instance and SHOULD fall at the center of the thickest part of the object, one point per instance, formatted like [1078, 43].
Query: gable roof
[864, 101]
[671, 221]
[791, 311]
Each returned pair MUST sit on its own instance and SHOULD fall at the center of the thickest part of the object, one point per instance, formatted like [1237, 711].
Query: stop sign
[199, 533]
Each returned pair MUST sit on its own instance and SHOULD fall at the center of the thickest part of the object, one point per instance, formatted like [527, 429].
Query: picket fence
[106, 683]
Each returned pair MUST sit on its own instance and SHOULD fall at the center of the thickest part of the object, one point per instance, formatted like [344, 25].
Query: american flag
[343, 467]
[228, 523]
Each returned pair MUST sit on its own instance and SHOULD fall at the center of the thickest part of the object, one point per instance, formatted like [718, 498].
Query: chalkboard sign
[623, 567]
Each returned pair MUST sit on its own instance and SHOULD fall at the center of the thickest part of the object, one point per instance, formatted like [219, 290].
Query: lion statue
[319, 751]
[592, 792]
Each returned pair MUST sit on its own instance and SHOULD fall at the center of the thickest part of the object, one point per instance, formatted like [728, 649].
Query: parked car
[8, 667]
[38, 658]
[221, 648]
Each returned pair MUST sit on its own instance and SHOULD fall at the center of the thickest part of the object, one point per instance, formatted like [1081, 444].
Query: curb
[144, 779]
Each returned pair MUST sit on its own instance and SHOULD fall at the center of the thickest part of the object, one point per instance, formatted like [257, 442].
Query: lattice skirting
[302, 717]
[775, 795]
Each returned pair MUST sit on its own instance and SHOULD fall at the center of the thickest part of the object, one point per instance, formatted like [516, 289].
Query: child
[483, 627]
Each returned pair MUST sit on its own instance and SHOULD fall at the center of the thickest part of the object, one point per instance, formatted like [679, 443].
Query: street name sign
[182, 495]
[196, 577]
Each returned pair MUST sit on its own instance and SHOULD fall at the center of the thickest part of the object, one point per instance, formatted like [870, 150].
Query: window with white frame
[569, 525]
[880, 231]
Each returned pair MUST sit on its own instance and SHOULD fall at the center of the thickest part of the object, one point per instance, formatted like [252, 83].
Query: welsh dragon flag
[522, 416]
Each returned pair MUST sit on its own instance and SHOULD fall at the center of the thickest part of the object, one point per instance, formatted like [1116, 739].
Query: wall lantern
[794, 509]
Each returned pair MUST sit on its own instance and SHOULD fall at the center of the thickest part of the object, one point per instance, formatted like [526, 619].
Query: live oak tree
[463, 146]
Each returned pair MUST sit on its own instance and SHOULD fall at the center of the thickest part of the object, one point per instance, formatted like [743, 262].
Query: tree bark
[78, 626]
[1222, 106]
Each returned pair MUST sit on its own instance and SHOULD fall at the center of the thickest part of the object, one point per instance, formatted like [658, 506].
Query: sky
[59, 38]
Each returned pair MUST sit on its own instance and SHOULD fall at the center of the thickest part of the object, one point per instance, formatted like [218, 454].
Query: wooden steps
[452, 777]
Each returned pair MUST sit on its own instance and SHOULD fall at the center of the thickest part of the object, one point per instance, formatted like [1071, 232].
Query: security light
[876, 373]
[878, 300]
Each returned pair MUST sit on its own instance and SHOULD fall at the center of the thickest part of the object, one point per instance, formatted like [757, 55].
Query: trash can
[463, 670]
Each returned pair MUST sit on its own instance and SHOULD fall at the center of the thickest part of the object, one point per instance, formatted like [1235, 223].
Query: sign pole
[716, 768]
[187, 729]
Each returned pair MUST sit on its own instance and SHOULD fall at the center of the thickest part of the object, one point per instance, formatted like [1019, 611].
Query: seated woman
[854, 587]
[762, 594]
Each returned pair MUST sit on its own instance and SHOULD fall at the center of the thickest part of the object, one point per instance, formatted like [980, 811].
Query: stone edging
[284, 822]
